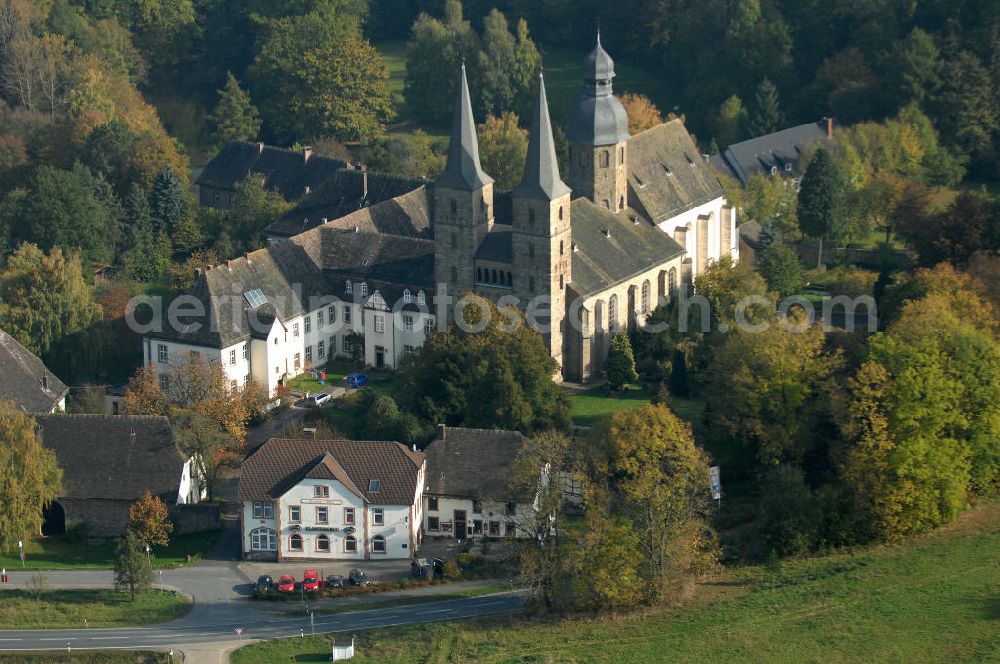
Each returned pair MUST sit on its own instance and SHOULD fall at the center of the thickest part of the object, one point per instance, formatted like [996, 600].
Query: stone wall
[195, 518]
[104, 518]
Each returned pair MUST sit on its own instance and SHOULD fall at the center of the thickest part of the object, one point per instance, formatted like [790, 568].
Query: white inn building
[331, 500]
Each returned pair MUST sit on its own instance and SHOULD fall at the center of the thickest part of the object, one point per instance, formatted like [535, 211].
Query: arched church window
[645, 297]
[672, 282]
[479, 274]
[613, 313]
[607, 204]
[510, 280]
[494, 279]
[621, 202]
[605, 158]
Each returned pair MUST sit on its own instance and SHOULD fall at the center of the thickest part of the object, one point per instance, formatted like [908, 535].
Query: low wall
[195, 518]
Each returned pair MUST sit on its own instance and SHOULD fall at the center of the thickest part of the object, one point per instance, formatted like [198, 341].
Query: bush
[76, 531]
[854, 282]
[790, 515]
[466, 559]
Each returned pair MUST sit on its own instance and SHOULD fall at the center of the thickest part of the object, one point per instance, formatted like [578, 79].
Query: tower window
[607, 203]
[605, 158]
[560, 281]
[454, 241]
[479, 274]
[531, 251]
[454, 207]
[621, 155]
[531, 216]
[454, 273]
[494, 279]
[621, 202]
[560, 213]
[531, 284]
[560, 247]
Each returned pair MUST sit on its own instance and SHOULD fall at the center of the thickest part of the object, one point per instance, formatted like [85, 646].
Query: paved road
[220, 594]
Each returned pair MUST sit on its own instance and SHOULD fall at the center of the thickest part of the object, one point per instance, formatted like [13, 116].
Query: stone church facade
[636, 218]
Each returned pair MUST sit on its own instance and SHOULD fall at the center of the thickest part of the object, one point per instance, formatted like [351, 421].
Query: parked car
[264, 584]
[317, 400]
[357, 380]
[335, 581]
[359, 577]
[286, 584]
[310, 580]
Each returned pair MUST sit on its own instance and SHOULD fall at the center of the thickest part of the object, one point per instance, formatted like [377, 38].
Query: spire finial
[541, 168]
[463, 171]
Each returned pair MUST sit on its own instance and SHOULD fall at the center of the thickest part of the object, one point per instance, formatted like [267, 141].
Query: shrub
[76, 531]
[854, 282]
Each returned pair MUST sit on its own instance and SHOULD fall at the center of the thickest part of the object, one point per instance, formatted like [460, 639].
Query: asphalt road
[220, 593]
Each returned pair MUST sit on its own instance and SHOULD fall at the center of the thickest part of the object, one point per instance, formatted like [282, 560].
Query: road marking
[108, 638]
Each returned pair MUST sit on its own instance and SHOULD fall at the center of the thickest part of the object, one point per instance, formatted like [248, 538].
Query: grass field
[19, 609]
[931, 599]
[91, 657]
[335, 369]
[588, 406]
[57, 553]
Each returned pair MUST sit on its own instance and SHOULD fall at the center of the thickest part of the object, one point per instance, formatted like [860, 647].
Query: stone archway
[54, 519]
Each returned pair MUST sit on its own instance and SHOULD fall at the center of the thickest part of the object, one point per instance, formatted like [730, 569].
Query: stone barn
[108, 462]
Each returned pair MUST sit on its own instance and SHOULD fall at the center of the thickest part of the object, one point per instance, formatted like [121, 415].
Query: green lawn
[394, 56]
[19, 609]
[336, 370]
[407, 601]
[91, 657]
[587, 407]
[57, 553]
[933, 599]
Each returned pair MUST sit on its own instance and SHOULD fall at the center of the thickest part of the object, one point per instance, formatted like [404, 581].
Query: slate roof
[472, 463]
[600, 260]
[281, 463]
[286, 171]
[598, 118]
[780, 149]
[314, 264]
[394, 204]
[498, 246]
[541, 168]
[666, 173]
[463, 171]
[26, 380]
[100, 458]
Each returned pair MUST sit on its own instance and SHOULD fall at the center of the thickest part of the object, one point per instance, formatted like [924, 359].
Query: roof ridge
[106, 416]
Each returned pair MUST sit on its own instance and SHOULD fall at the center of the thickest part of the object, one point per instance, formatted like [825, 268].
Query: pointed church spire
[463, 170]
[541, 168]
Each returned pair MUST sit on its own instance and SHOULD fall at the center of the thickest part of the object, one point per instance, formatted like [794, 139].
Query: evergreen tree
[765, 116]
[620, 367]
[678, 373]
[820, 204]
[168, 201]
[235, 118]
[964, 107]
[147, 255]
[132, 567]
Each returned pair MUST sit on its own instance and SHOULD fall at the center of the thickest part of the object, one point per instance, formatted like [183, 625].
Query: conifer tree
[820, 205]
[132, 567]
[235, 117]
[620, 367]
[766, 113]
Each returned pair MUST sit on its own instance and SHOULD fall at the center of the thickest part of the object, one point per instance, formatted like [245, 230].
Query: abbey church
[634, 219]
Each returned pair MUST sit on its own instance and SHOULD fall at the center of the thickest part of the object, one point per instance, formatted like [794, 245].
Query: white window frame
[263, 509]
[379, 539]
[378, 516]
[162, 353]
[263, 539]
[322, 514]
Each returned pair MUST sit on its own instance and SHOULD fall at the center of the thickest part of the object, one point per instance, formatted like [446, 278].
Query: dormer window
[364, 288]
[666, 169]
[638, 181]
[407, 298]
[421, 298]
[374, 486]
[348, 287]
[774, 170]
[788, 167]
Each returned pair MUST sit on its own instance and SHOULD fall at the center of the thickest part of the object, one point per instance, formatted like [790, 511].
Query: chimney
[229, 264]
[442, 432]
[364, 183]
[357, 229]
[260, 148]
[325, 220]
[45, 380]
[307, 152]
[829, 128]
[246, 255]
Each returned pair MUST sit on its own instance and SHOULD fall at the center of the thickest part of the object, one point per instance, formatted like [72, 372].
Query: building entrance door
[379, 357]
[460, 532]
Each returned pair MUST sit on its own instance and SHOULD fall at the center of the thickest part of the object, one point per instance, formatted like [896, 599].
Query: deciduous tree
[149, 521]
[642, 112]
[132, 567]
[503, 146]
[31, 478]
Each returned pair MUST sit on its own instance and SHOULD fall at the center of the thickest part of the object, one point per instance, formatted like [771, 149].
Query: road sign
[713, 482]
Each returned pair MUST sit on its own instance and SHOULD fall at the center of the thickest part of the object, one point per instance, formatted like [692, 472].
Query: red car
[310, 580]
[286, 584]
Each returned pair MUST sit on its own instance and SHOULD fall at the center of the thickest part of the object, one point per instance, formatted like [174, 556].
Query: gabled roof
[294, 274]
[498, 245]
[472, 463]
[666, 173]
[610, 248]
[541, 168]
[463, 171]
[26, 380]
[286, 171]
[393, 204]
[281, 463]
[776, 150]
[114, 457]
